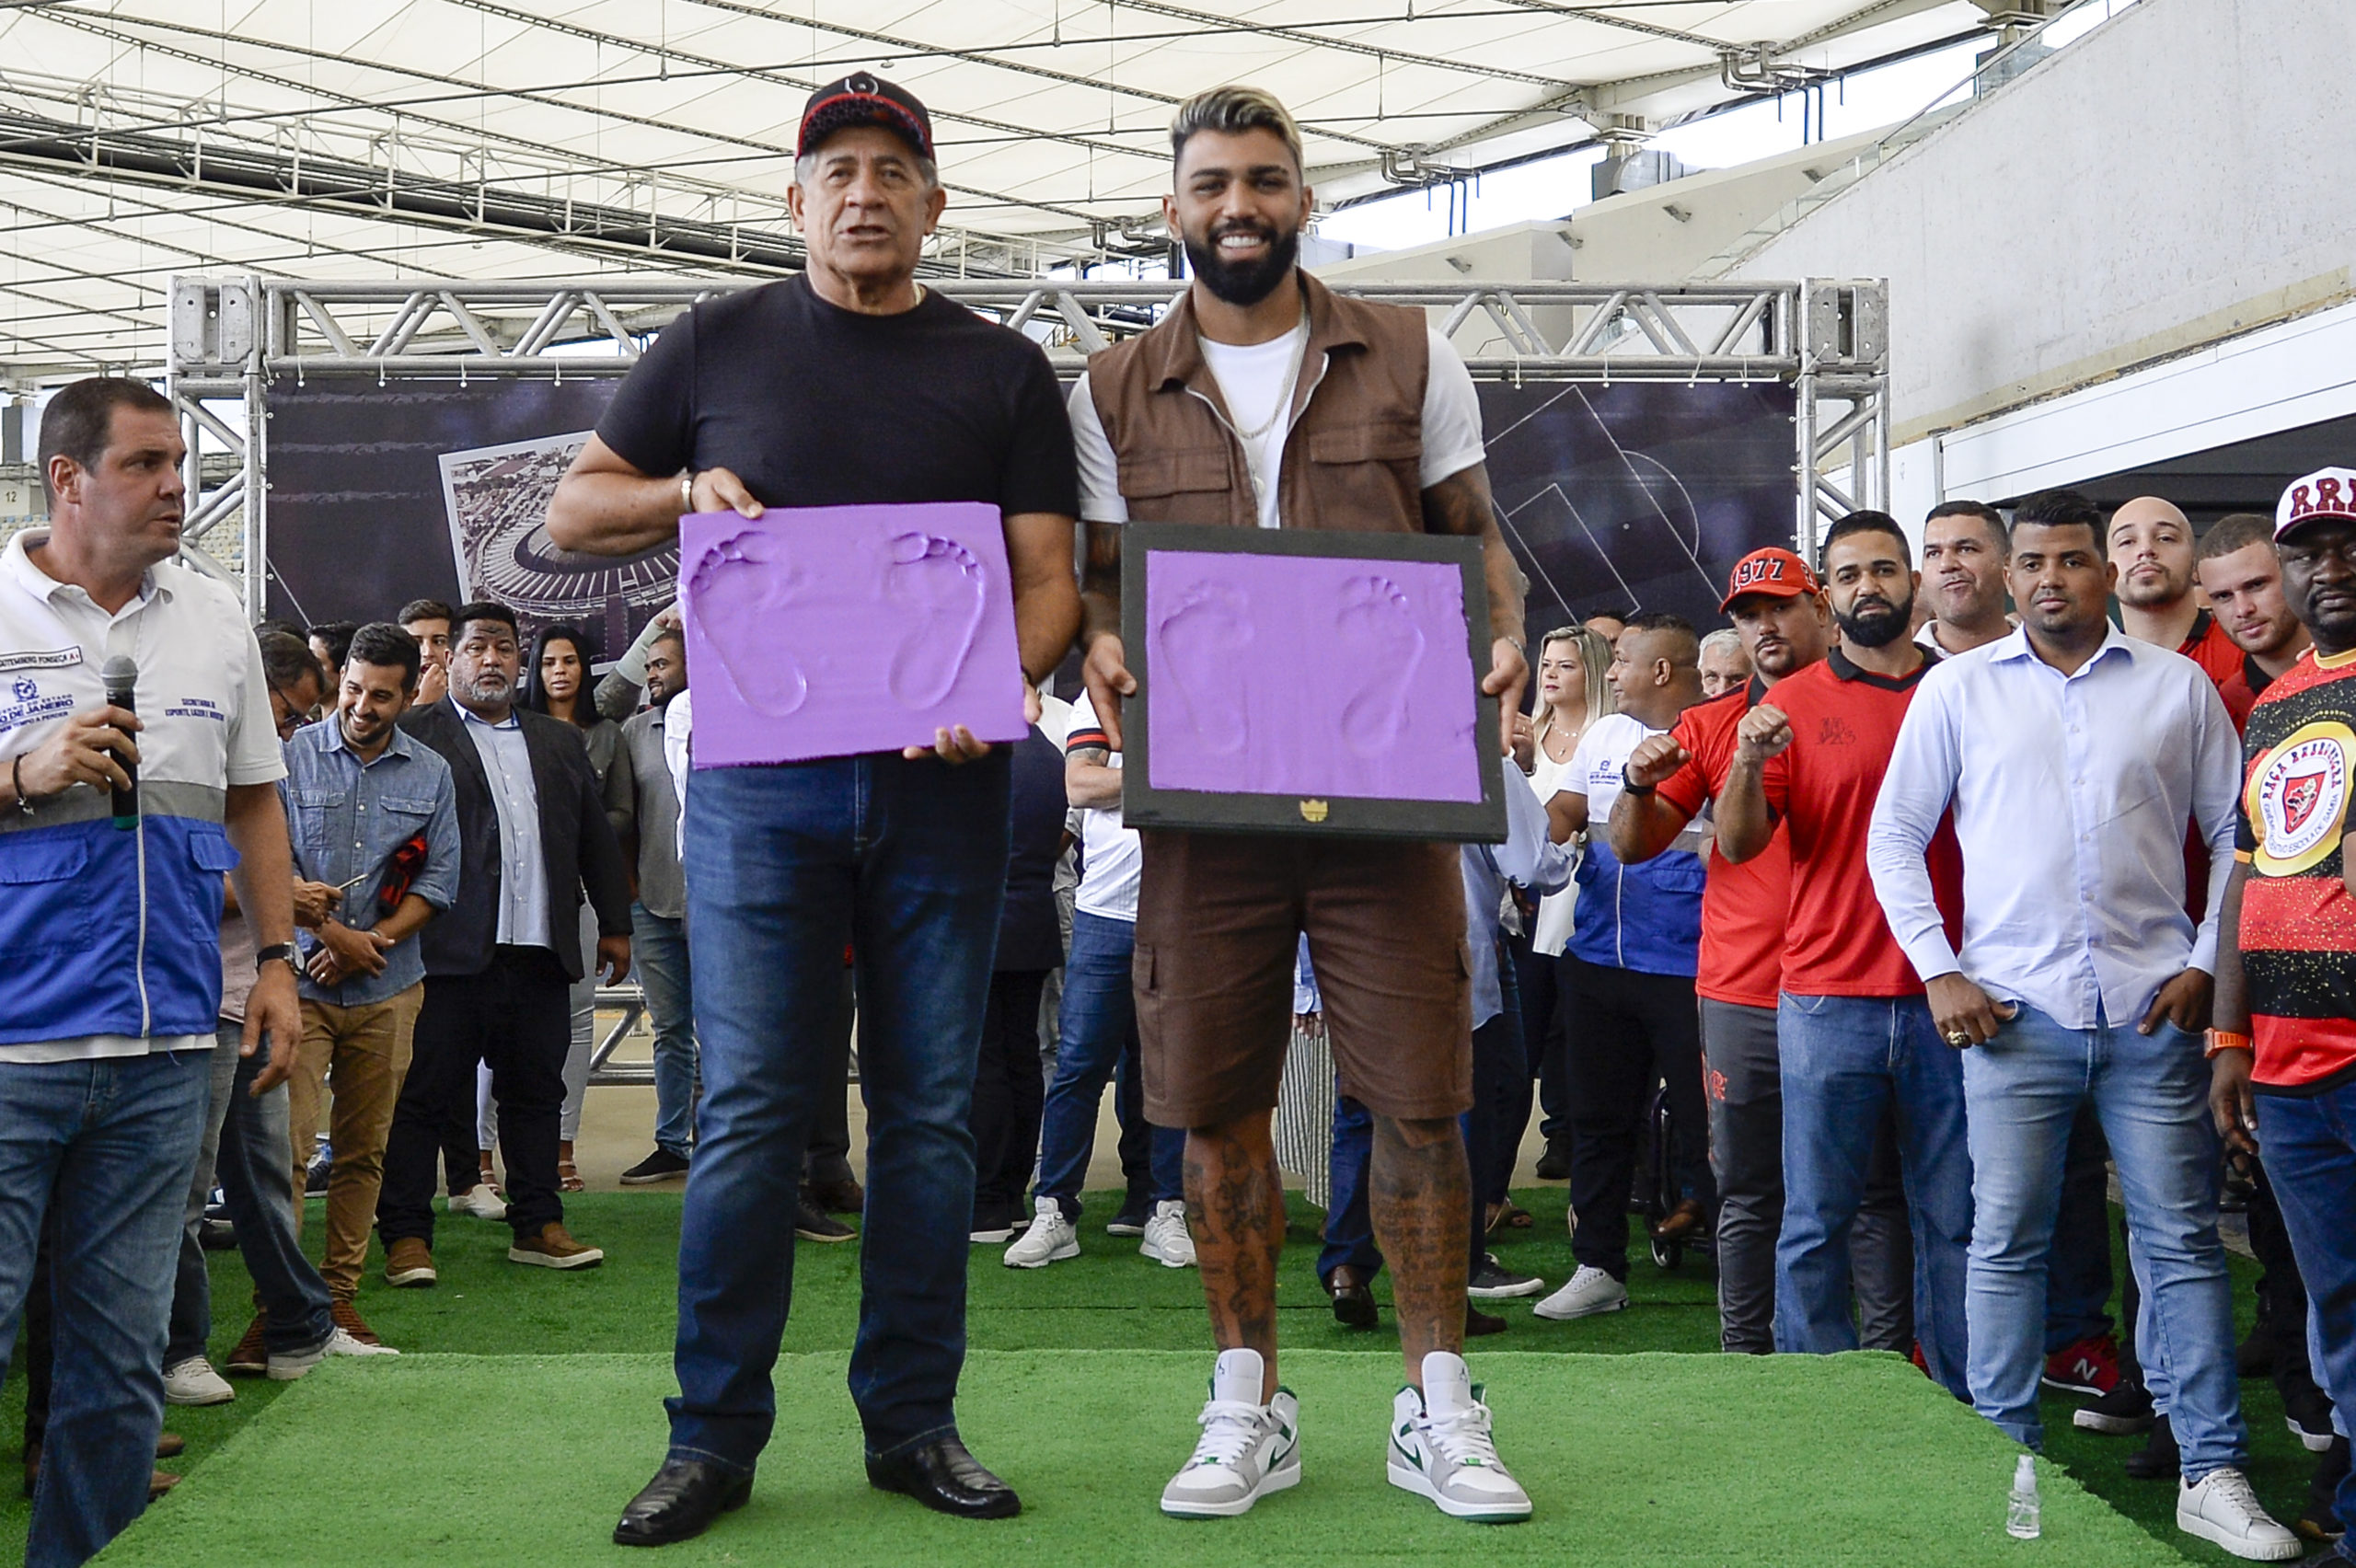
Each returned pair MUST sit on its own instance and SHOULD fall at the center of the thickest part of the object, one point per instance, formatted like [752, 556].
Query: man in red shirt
[1853, 1030]
[1780, 614]
[2151, 543]
[2241, 581]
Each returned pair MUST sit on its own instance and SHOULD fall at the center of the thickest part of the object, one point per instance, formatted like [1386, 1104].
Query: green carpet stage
[527, 1411]
[1657, 1460]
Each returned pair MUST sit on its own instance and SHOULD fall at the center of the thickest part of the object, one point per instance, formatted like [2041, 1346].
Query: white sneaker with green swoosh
[1248, 1449]
[1440, 1447]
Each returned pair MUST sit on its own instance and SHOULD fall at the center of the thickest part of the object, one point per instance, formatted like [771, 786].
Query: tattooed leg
[1421, 1202]
[1236, 1197]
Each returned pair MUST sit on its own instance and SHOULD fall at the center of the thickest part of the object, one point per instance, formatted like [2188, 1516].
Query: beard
[1873, 623]
[2149, 595]
[1243, 284]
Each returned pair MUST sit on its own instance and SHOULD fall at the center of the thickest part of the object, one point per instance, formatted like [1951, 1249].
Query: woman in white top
[1572, 694]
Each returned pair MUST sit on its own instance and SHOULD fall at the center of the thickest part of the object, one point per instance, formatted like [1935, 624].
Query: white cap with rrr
[2327, 492]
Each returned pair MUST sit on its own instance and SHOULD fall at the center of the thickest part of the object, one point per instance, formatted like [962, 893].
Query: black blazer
[576, 841]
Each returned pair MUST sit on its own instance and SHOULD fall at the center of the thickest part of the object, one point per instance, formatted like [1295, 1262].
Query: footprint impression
[1379, 629]
[938, 585]
[744, 582]
[1202, 641]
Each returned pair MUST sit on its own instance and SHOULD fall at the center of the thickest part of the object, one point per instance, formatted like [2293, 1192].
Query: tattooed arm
[1460, 504]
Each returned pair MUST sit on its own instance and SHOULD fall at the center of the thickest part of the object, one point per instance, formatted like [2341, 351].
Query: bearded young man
[2240, 578]
[2150, 542]
[1853, 1030]
[1263, 400]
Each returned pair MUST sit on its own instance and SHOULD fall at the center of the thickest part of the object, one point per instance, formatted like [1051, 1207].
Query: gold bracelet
[2227, 1040]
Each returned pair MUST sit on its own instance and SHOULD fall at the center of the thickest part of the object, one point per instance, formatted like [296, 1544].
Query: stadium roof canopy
[539, 139]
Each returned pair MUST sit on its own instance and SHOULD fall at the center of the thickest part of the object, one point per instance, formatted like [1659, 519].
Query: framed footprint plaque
[833, 630]
[1309, 682]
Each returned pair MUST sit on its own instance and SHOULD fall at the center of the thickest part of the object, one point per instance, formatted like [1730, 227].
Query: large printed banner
[1638, 495]
[434, 490]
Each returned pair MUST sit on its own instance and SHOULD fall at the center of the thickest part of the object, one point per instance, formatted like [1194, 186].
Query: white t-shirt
[1595, 767]
[1250, 380]
[1109, 853]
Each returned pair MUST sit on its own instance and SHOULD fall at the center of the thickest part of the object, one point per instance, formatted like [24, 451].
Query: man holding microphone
[115, 829]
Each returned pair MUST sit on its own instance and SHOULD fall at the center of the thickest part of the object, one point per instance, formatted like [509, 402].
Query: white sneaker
[1440, 1447]
[481, 1201]
[1248, 1449]
[1583, 1295]
[193, 1382]
[2224, 1509]
[1167, 1239]
[1050, 1239]
[285, 1368]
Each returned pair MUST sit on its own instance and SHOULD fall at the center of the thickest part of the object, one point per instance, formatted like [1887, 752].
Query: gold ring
[1958, 1037]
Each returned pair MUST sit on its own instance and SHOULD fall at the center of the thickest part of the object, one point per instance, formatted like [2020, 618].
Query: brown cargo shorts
[1220, 916]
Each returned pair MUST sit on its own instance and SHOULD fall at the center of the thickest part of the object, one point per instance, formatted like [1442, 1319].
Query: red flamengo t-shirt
[1823, 786]
[2219, 656]
[1742, 907]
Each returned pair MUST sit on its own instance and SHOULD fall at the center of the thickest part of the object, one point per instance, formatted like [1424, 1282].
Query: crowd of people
[1898, 913]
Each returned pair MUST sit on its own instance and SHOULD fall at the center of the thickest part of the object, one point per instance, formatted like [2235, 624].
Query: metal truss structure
[230, 338]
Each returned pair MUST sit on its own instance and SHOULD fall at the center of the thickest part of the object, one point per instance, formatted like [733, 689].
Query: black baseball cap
[864, 98]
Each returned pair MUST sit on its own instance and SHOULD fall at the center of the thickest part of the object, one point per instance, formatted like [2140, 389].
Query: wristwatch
[1629, 786]
[283, 952]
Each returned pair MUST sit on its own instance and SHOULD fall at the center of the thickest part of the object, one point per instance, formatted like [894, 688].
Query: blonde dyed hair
[1595, 662]
[1231, 110]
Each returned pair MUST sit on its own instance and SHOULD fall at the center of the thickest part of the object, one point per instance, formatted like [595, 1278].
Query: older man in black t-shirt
[850, 383]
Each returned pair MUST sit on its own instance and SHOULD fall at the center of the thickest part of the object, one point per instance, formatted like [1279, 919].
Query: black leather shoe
[1478, 1323]
[1554, 1165]
[1353, 1298]
[680, 1503]
[945, 1478]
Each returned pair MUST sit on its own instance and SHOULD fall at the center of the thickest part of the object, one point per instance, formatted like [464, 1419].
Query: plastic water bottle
[2021, 1511]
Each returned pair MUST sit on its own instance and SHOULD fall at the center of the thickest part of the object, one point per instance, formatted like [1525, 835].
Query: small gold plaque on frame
[1313, 811]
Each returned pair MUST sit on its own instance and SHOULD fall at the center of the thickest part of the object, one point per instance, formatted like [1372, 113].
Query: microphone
[121, 676]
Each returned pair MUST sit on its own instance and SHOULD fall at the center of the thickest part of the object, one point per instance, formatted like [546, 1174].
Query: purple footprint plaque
[1294, 682]
[836, 630]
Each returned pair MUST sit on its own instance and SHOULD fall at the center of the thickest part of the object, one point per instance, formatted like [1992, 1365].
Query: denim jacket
[346, 820]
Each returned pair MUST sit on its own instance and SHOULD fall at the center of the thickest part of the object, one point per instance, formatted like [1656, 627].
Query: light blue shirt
[347, 817]
[523, 874]
[2071, 795]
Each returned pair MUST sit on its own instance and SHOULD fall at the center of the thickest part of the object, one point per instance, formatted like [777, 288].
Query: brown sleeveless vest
[1350, 458]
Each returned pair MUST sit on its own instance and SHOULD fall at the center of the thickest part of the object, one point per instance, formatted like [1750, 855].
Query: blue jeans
[2078, 1281]
[2022, 1091]
[245, 1149]
[112, 1143]
[1845, 1058]
[658, 948]
[907, 862]
[1097, 1027]
[2309, 1144]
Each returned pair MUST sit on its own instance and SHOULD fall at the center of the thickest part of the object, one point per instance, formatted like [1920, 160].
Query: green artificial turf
[1109, 1298]
[1650, 1459]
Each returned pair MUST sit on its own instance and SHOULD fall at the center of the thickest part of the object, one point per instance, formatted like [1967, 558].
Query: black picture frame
[1335, 816]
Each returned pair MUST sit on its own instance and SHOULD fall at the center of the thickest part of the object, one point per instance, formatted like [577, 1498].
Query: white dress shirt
[523, 874]
[2071, 795]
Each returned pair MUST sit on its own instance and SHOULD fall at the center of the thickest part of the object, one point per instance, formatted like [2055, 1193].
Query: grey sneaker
[1441, 1449]
[1247, 1450]
[1584, 1294]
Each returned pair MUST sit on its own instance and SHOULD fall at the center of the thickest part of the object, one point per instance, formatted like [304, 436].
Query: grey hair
[1725, 637]
[1231, 110]
[805, 169]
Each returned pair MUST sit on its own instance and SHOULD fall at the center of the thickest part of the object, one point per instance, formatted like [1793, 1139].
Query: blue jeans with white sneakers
[2023, 1089]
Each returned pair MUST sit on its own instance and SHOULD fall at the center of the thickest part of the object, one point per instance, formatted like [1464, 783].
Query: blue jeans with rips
[658, 948]
[905, 861]
[110, 1144]
[1097, 1027]
[2309, 1146]
[1845, 1058]
[2023, 1089]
